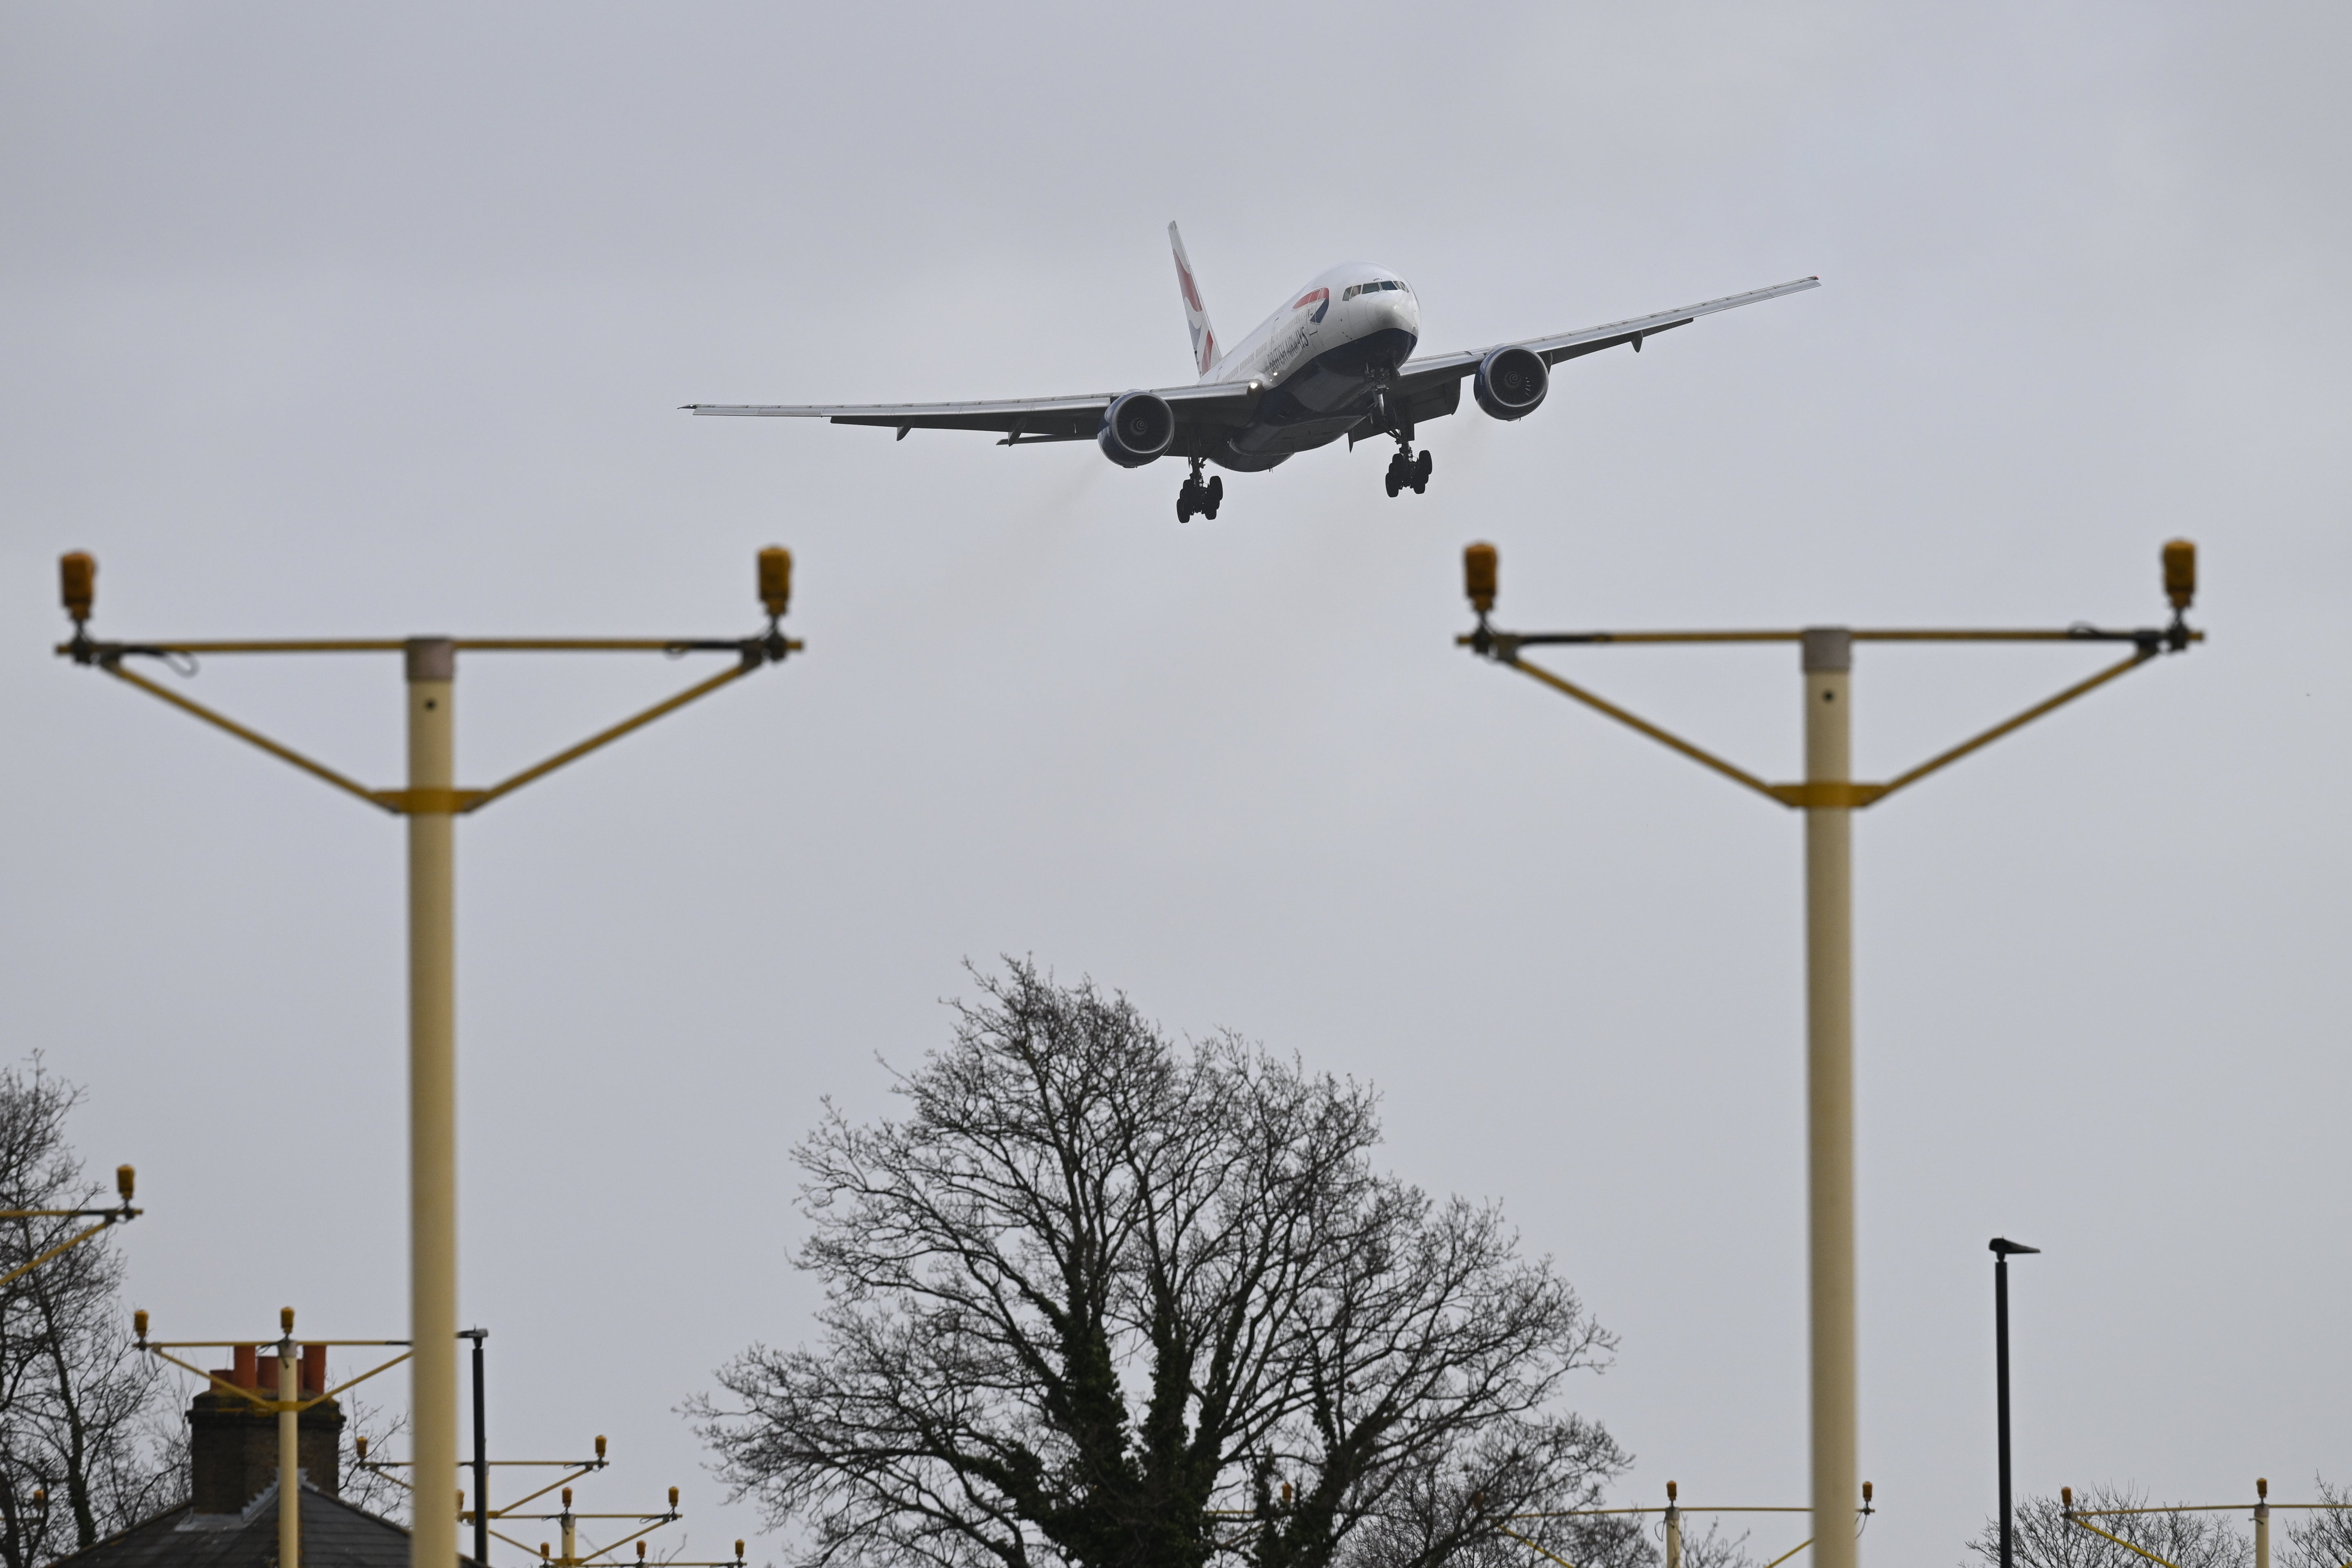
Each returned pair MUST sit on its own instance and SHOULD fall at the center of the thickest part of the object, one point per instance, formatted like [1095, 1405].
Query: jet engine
[1511, 382]
[1137, 428]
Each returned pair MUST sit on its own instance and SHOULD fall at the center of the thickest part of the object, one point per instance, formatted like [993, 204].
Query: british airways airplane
[1336, 361]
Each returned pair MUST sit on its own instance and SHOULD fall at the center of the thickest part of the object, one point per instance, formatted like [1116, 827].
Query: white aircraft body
[1336, 361]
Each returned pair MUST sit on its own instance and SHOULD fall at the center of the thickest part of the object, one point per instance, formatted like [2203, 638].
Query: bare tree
[374, 1427]
[1099, 1300]
[1718, 1549]
[1514, 1493]
[2321, 1537]
[2045, 1539]
[76, 1401]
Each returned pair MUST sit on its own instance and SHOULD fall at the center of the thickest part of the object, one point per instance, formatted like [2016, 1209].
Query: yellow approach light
[78, 580]
[775, 579]
[2180, 573]
[1479, 564]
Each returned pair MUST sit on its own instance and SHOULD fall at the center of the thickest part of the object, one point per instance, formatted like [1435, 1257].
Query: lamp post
[1829, 798]
[2003, 1250]
[432, 803]
[482, 1510]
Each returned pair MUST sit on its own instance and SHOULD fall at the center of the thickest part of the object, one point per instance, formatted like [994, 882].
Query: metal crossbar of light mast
[2262, 1507]
[125, 1180]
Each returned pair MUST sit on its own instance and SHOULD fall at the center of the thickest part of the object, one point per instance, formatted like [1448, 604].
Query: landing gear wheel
[1401, 471]
[1421, 475]
[1199, 499]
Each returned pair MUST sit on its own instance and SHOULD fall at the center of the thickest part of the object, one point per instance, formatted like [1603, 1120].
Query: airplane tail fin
[1205, 352]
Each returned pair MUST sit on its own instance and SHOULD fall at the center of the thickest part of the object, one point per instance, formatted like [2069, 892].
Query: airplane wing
[1022, 420]
[1420, 373]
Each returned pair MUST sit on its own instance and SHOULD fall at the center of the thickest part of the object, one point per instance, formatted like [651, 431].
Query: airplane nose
[1397, 308]
[1398, 313]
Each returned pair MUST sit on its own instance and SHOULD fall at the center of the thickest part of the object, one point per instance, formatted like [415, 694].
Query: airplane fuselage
[1322, 361]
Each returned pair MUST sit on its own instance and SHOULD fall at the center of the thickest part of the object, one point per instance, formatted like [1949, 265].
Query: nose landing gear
[1199, 497]
[1407, 471]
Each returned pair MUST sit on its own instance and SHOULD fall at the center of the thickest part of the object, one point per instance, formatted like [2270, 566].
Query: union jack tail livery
[1196, 315]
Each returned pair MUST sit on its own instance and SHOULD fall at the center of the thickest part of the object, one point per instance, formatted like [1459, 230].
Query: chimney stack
[232, 1442]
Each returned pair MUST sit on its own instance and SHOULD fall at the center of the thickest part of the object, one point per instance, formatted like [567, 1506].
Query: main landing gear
[1200, 496]
[1407, 471]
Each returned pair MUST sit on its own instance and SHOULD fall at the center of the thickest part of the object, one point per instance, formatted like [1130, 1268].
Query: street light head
[1670, 1492]
[125, 1179]
[2006, 1247]
[2263, 1488]
[286, 1320]
[2180, 573]
[1478, 576]
[600, 1447]
[673, 1499]
[78, 583]
[567, 1500]
[139, 1324]
[775, 579]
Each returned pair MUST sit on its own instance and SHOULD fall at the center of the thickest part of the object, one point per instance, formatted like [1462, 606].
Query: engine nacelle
[1137, 428]
[1511, 382]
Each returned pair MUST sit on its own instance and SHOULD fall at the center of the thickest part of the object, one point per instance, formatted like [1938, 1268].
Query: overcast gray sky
[370, 321]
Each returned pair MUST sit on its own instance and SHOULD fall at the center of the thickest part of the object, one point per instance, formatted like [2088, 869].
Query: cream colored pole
[570, 1532]
[1674, 1530]
[1829, 1095]
[433, 1096]
[289, 1440]
[2261, 1524]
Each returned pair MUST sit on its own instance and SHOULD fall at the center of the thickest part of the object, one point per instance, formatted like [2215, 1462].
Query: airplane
[1336, 361]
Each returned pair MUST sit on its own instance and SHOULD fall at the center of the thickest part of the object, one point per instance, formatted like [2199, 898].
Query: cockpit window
[1355, 288]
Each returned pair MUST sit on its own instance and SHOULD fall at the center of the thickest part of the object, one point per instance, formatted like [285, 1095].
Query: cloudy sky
[344, 320]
